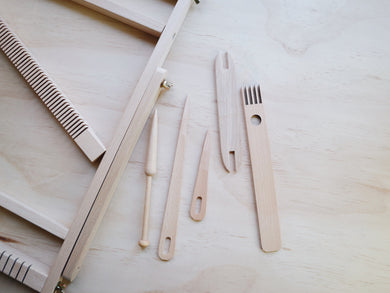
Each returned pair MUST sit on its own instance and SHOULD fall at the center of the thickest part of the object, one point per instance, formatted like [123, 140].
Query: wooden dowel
[150, 171]
[144, 241]
[22, 210]
[132, 18]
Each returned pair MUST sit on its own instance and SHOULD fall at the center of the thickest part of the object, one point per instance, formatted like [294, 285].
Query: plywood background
[324, 68]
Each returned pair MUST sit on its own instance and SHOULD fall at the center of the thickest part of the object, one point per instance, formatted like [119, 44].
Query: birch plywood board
[324, 70]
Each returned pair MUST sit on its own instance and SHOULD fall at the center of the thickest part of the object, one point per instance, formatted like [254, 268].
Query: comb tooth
[259, 94]
[254, 95]
[42, 82]
[47, 91]
[75, 125]
[56, 102]
[245, 95]
[248, 92]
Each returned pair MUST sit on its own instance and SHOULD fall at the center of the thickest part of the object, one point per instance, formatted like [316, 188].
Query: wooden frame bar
[126, 16]
[22, 210]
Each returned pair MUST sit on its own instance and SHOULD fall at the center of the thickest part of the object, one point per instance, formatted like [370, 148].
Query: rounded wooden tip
[143, 243]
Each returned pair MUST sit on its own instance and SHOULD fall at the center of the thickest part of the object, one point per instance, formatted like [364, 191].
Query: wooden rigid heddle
[77, 238]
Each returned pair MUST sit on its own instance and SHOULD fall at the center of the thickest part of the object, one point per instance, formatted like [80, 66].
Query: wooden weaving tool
[150, 171]
[199, 196]
[77, 238]
[228, 118]
[263, 179]
[166, 248]
[58, 104]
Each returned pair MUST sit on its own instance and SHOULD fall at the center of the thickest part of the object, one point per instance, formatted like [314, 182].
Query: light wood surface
[150, 171]
[323, 68]
[199, 195]
[127, 16]
[58, 104]
[228, 111]
[37, 218]
[166, 247]
[261, 166]
[23, 268]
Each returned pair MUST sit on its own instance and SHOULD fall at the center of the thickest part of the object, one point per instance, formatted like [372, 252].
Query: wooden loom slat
[22, 210]
[126, 16]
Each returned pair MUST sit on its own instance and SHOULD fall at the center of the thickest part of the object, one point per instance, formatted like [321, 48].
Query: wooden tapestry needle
[150, 171]
[200, 189]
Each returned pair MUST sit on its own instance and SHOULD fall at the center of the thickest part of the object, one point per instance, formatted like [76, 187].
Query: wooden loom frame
[95, 202]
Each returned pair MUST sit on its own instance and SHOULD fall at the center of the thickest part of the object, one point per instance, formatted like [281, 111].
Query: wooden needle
[150, 171]
[200, 190]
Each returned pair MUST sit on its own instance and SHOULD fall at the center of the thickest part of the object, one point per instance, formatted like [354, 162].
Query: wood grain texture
[200, 194]
[22, 268]
[22, 210]
[127, 16]
[261, 165]
[166, 247]
[228, 109]
[323, 66]
[53, 98]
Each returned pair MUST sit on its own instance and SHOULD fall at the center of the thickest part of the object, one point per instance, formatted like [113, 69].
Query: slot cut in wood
[49, 93]
[171, 214]
[22, 268]
[263, 180]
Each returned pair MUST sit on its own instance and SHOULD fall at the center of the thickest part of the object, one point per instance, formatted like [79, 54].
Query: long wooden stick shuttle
[166, 248]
